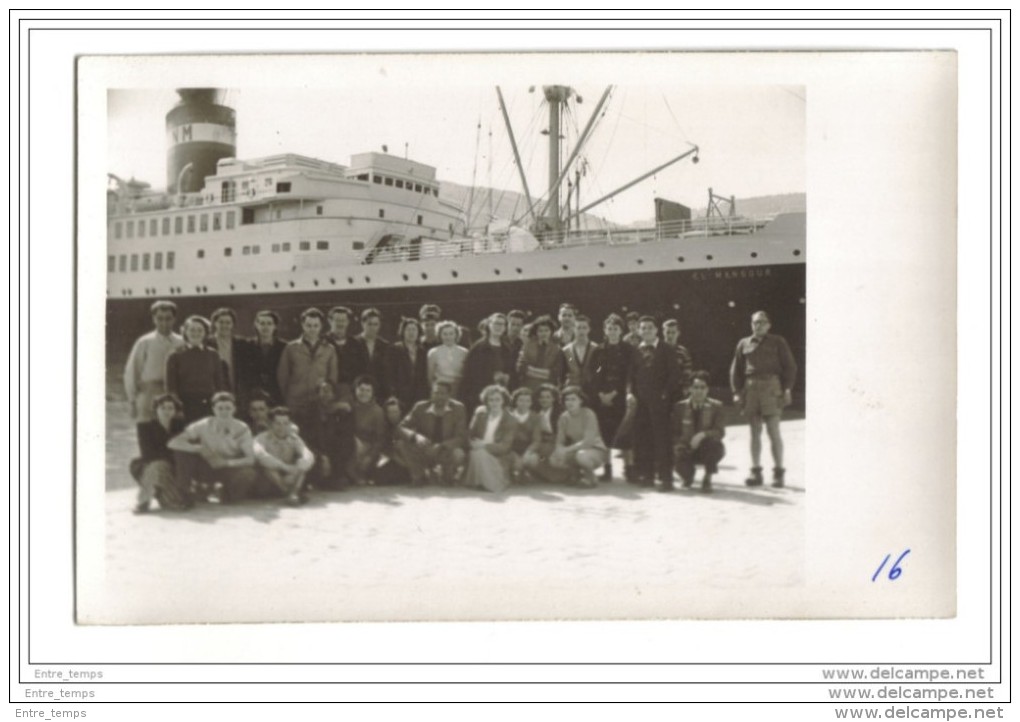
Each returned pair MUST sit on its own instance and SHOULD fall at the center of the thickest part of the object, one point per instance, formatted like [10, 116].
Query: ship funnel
[200, 131]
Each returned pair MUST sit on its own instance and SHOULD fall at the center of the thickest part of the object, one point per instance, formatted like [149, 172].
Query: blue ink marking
[895, 571]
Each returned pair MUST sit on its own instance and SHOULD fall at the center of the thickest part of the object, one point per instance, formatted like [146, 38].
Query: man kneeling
[283, 458]
[215, 453]
[697, 433]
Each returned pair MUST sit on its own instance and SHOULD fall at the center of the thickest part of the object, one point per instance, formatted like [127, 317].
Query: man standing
[304, 365]
[671, 336]
[698, 431]
[145, 371]
[257, 361]
[652, 374]
[435, 435]
[633, 336]
[567, 319]
[223, 342]
[514, 331]
[579, 355]
[341, 319]
[429, 315]
[372, 352]
[761, 377]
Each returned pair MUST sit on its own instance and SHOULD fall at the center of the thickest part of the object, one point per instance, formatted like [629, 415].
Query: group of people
[221, 418]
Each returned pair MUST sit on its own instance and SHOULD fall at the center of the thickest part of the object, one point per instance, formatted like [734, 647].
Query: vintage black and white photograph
[390, 345]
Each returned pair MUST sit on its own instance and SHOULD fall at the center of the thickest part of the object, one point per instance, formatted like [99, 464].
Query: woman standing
[194, 373]
[409, 381]
[491, 435]
[611, 363]
[579, 445]
[489, 361]
[541, 360]
[446, 361]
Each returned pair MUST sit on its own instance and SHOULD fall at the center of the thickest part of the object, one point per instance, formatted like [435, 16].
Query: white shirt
[490, 429]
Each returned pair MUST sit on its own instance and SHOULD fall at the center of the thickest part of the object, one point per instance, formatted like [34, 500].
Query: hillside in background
[505, 204]
[509, 204]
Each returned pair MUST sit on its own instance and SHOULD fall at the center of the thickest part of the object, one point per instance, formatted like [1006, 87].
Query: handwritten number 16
[895, 571]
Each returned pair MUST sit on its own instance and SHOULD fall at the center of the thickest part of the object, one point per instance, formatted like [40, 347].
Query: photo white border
[58, 640]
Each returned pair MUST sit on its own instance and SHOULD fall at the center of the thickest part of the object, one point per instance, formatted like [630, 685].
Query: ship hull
[713, 305]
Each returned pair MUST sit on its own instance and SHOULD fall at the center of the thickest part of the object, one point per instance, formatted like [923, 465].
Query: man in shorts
[761, 377]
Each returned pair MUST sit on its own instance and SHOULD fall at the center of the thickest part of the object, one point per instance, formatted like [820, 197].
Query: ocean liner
[289, 231]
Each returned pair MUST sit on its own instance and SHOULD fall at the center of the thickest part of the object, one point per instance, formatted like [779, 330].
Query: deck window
[377, 179]
[157, 261]
[134, 261]
[231, 215]
[358, 245]
[318, 210]
[111, 264]
[247, 216]
[146, 259]
[388, 181]
[305, 246]
[122, 263]
[255, 250]
[382, 212]
[421, 220]
[228, 251]
[141, 228]
[217, 219]
[322, 245]
[400, 183]
[118, 229]
[178, 225]
[203, 222]
[191, 224]
[246, 251]
[130, 229]
[428, 191]
[286, 247]
[417, 187]
[363, 177]
[283, 187]
[200, 253]
[228, 191]
[166, 226]
[169, 260]
[276, 248]
[153, 227]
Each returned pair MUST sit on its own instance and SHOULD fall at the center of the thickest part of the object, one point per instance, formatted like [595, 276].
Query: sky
[751, 138]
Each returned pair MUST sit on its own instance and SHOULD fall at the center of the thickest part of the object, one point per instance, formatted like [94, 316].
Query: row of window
[181, 224]
[154, 261]
[398, 183]
[140, 261]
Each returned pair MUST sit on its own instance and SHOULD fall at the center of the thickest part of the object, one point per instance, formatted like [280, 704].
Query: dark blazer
[256, 368]
[483, 360]
[452, 431]
[408, 380]
[195, 372]
[237, 350]
[684, 421]
[581, 373]
[653, 375]
[376, 365]
[152, 439]
[505, 432]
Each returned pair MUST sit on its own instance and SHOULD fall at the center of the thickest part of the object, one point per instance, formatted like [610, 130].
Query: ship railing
[430, 248]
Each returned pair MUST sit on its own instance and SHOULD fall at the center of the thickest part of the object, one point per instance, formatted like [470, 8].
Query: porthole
[368, 279]
[680, 259]
[602, 264]
[454, 274]
[495, 271]
[796, 252]
[754, 254]
[406, 278]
